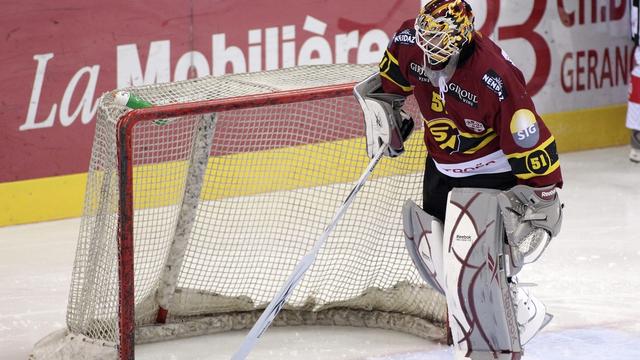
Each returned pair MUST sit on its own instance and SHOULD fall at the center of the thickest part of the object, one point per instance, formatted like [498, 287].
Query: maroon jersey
[486, 123]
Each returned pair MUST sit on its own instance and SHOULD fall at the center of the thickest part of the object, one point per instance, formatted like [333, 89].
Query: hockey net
[198, 208]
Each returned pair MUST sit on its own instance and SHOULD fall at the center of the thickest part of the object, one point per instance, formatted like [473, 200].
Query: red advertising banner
[59, 57]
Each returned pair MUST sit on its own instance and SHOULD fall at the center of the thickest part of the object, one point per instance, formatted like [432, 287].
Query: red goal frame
[124, 139]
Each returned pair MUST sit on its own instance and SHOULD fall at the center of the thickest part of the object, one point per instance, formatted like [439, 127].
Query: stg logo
[525, 133]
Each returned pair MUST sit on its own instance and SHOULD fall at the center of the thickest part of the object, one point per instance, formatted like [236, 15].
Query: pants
[437, 185]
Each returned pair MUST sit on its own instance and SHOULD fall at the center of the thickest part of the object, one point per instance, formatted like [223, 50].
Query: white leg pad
[482, 313]
[423, 239]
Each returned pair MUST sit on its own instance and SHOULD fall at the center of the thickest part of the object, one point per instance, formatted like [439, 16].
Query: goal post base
[62, 345]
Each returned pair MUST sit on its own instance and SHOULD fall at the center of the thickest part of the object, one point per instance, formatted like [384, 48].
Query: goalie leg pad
[482, 313]
[423, 238]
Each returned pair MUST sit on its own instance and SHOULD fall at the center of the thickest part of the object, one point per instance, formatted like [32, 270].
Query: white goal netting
[225, 203]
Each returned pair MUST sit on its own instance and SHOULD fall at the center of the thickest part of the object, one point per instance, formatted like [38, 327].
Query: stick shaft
[279, 300]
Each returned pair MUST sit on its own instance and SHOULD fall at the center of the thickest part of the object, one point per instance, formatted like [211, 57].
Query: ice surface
[589, 279]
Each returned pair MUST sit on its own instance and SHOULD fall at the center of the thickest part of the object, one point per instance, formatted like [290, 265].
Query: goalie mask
[443, 27]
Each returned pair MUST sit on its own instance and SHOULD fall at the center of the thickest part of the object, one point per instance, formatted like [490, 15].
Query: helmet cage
[443, 36]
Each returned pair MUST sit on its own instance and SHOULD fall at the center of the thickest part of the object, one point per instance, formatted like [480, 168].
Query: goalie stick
[278, 301]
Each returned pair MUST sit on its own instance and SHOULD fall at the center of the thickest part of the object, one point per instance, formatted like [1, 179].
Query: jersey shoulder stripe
[390, 70]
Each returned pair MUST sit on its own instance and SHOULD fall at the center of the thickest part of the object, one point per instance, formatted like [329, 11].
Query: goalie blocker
[385, 121]
[490, 315]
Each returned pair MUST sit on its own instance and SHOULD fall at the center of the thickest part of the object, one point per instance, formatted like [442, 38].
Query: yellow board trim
[45, 199]
[589, 128]
[238, 180]
[62, 197]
